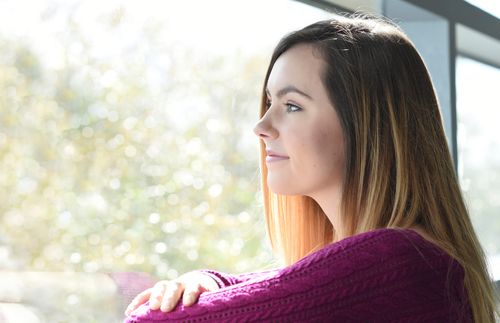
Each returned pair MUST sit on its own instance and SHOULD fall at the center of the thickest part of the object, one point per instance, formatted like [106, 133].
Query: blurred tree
[134, 158]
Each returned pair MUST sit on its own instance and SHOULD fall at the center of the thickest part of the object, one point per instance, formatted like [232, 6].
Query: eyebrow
[288, 89]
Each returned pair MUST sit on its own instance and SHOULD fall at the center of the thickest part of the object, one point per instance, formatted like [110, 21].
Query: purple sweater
[385, 275]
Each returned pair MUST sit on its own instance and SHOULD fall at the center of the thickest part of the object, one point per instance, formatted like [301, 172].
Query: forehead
[298, 66]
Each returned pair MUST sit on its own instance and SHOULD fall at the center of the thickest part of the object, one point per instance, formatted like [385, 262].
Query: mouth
[271, 153]
[273, 156]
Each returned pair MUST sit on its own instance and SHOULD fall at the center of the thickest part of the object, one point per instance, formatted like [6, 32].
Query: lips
[271, 153]
[274, 159]
[273, 156]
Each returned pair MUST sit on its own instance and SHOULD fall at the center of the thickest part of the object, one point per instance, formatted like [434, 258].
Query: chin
[280, 192]
[283, 190]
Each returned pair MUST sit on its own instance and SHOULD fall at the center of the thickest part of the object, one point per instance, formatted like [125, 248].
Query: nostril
[259, 132]
[264, 130]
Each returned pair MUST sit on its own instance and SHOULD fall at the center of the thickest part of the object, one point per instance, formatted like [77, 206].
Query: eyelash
[268, 104]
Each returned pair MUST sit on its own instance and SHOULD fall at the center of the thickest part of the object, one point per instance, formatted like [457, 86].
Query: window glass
[478, 115]
[126, 140]
[490, 6]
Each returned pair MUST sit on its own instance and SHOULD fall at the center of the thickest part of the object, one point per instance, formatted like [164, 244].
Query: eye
[290, 107]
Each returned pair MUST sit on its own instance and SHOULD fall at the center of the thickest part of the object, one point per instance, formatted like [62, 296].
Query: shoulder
[381, 248]
[394, 241]
[396, 269]
[386, 241]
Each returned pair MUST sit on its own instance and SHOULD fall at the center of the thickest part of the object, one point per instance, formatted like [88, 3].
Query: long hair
[398, 170]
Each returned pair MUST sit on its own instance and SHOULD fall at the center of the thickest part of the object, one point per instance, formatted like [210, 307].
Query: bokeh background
[126, 138]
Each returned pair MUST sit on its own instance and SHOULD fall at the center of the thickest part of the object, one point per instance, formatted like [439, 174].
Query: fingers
[157, 294]
[138, 300]
[166, 294]
[191, 294]
[171, 296]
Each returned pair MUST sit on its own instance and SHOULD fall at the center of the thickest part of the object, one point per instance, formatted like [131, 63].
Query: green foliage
[136, 160]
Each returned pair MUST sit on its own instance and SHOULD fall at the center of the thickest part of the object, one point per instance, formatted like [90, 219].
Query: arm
[375, 276]
[226, 280]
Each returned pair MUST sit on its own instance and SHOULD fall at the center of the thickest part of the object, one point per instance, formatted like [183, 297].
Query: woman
[360, 195]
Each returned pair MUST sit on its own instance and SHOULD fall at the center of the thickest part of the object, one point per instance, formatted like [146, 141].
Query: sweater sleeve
[378, 276]
[225, 280]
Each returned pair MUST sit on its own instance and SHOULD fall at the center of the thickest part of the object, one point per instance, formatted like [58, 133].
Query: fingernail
[166, 308]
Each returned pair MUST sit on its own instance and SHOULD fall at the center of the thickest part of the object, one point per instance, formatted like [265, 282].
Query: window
[126, 143]
[491, 7]
[479, 151]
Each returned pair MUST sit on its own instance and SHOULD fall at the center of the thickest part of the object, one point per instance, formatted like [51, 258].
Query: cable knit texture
[385, 275]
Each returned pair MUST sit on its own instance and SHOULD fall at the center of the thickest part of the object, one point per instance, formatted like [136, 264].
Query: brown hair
[398, 171]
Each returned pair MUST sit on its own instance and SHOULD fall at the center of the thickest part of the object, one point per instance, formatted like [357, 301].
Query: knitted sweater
[384, 275]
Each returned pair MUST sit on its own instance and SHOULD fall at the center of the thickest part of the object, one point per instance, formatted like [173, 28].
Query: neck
[329, 200]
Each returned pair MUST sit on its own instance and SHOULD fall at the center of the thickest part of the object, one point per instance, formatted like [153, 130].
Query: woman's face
[303, 128]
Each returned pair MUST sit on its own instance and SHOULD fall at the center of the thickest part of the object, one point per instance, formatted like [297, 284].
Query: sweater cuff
[217, 276]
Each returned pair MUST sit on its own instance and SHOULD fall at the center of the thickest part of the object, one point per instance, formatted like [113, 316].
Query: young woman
[361, 198]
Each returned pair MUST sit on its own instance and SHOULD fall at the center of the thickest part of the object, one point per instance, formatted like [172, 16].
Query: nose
[264, 129]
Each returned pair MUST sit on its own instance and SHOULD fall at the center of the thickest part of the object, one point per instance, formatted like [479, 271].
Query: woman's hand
[165, 294]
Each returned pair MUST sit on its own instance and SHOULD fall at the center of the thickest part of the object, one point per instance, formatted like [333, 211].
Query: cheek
[321, 140]
[327, 148]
